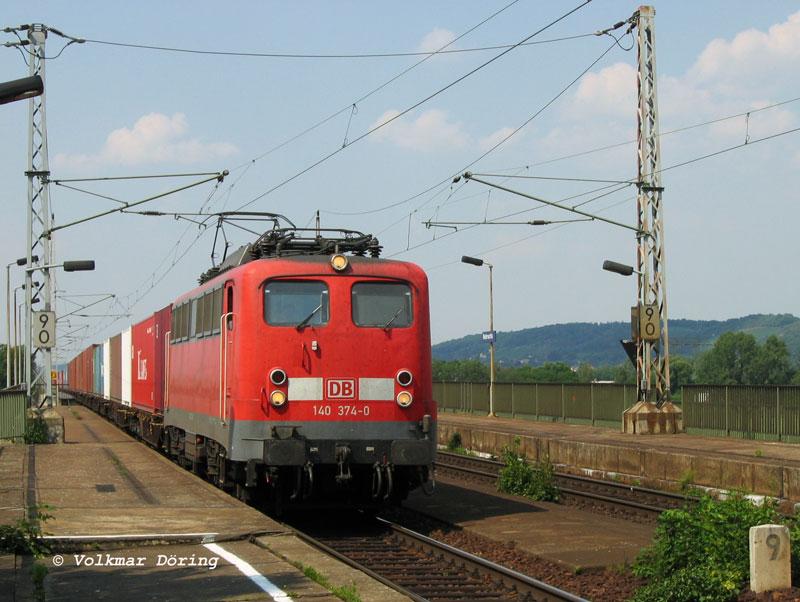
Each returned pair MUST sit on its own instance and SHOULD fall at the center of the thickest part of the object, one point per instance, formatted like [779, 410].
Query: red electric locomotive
[297, 373]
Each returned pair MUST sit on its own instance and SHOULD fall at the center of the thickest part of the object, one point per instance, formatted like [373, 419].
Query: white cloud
[751, 59]
[611, 92]
[726, 78]
[154, 138]
[498, 136]
[435, 39]
[431, 131]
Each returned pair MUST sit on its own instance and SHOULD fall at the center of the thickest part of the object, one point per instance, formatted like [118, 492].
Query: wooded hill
[598, 344]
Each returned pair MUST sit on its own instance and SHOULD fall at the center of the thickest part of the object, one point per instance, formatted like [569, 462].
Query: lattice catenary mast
[39, 385]
[652, 353]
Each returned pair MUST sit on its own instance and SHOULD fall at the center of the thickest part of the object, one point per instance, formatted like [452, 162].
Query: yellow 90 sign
[43, 329]
[649, 323]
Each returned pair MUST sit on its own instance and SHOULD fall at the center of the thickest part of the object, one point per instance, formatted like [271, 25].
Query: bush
[455, 443]
[25, 536]
[794, 538]
[38, 573]
[36, 431]
[701, 553]
[691, 585]
[520, 478]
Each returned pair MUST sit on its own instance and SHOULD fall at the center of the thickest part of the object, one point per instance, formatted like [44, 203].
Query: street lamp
[46, 337]
[491, 335]
[21, 89]
[618, 268]
[81, 265]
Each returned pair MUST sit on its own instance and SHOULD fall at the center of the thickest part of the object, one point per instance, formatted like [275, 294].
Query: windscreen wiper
[394, 317]
[308, 317]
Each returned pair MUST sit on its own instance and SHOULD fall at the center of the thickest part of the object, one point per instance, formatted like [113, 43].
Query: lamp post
[18, 355]
[480, 262]
[45, 336]
[19, 262]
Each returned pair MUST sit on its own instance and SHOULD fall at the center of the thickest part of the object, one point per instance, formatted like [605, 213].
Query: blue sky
[730, 220]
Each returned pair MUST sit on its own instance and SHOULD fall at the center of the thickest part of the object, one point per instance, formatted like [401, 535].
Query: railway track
[422, 568]
[631, 500]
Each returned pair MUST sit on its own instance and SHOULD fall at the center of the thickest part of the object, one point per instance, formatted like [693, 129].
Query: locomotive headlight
[404, 399]
[404, 378]
[339, 262]
[277, 398]
[277, 377]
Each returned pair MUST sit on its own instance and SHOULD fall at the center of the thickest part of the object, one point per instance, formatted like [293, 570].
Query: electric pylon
[39, 384]
[653, 411]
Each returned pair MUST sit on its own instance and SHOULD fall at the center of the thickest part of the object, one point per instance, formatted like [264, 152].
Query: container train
[297, 373]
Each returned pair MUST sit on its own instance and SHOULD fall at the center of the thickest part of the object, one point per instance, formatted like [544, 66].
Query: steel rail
[576, 488]
[525, 587]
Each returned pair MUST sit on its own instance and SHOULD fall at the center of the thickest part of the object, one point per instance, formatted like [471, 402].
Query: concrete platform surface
[102, 482]
[150, 530]
[575, 538]
[661, 461]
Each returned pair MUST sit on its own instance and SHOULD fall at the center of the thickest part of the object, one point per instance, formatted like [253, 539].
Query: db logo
[340, 388]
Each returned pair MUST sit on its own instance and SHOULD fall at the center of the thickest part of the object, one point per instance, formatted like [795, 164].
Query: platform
[574, 538]
[669, 462]
[121, 512]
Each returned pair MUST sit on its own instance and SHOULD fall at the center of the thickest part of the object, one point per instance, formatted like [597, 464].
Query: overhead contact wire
[411, 108]
[363, 97]
[363, 55]
[487, 152]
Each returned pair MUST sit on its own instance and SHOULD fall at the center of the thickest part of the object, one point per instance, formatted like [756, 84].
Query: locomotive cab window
[382, 305]
[296, 303]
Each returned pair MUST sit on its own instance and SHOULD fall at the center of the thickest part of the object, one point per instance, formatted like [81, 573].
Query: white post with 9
[770, 558]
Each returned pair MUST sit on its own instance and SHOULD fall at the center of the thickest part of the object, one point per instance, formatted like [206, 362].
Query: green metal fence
[595, 404]
[12, 415]
[748, 412]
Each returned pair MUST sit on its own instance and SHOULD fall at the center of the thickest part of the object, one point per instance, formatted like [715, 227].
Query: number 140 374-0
[341, 409]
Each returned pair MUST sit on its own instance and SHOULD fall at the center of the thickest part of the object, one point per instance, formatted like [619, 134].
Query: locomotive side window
[216, 311]
[173, 322]
[184, 327]
[382, 305]
[193, 319]
[177, 324]
[229, 308]
[198, 317]
[296, 303]
[208, 306]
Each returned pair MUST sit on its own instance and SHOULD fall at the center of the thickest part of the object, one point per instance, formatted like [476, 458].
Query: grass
[348, 593]
[456, 446]
[38, 573]
[686, 480]
[36, 431]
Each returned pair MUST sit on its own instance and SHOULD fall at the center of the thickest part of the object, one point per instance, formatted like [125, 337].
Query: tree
[624, 374]
[555, 372]
[681, 372]
[460, 371]
[737, 359]
[730, 361]
[773, 365]
[585, 373]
